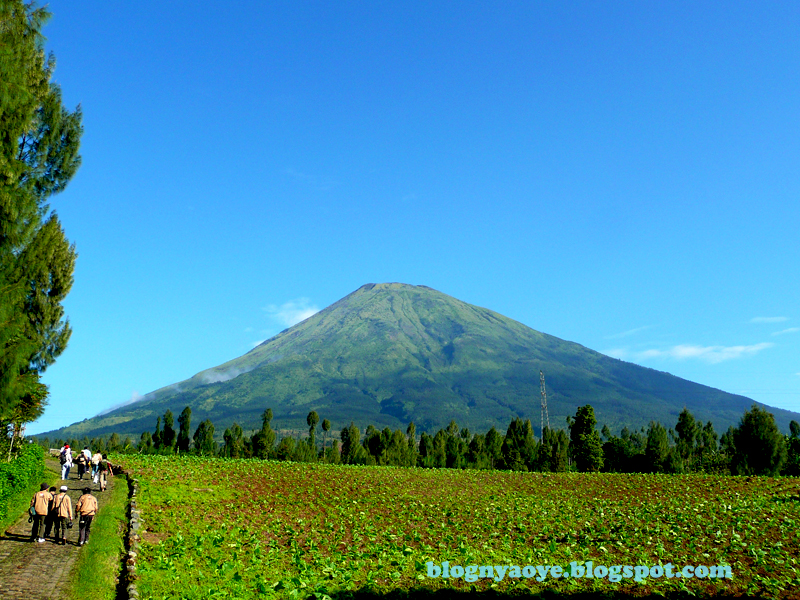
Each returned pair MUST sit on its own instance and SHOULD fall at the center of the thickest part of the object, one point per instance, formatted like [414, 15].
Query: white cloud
[769, 319]
[292, 312]
[790, 330]
[257, 343]
[708, 354]
[214, 376]
[627, 333]
[135, 397]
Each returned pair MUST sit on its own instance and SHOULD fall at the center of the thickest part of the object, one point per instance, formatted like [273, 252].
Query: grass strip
[98, 567]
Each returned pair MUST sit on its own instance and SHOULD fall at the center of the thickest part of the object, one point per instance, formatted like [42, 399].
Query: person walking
[66, 462]
[83, 463]
[40, 503]
[96, 458]
[63, 515]
[51, 513]
[86, 508]
[105, 472]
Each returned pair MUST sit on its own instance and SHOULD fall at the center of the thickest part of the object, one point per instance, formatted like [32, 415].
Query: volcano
[391, 353]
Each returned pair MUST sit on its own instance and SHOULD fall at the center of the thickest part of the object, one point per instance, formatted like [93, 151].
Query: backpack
[63, 457]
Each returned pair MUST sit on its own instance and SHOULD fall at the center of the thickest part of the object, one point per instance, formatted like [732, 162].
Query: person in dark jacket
[51, 513]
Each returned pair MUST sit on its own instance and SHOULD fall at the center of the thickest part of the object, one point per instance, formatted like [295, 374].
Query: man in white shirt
[66, 461]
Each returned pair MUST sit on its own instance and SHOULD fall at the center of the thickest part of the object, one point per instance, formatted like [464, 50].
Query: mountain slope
[391, 353]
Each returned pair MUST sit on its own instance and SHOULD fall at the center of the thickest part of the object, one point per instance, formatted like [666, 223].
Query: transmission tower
[545, 414]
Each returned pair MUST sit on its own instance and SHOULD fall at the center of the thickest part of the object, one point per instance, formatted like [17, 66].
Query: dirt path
[34, 571]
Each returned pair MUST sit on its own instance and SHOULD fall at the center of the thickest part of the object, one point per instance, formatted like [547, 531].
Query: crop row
[248, 528]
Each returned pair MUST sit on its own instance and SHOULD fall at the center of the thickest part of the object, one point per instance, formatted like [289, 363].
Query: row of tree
[39, 142]
[755, 447]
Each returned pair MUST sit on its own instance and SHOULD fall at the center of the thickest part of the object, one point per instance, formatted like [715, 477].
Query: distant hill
[392, 353]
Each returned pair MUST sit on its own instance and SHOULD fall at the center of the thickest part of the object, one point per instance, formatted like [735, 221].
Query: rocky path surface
[34, 571]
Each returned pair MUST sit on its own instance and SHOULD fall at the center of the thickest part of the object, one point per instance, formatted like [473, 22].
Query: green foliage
[688, 432]
[39, 142]
[114, 444]
[253, 529]
[17, 476]
[585, 443]
[657, 450]
[792, 466]
[234, 442]
[204, 443]
[760, 449]
[312, 419]
[554, 451]
[185, 422]
[519, 449]
[158, 435]
[263, 441]
[169, 435]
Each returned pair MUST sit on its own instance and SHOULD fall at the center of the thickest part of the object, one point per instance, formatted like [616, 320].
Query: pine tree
[519, 449]
[352, 452]
[114, 443]
[494, 445]
[157, 435]
[688, 432]
[185, 420]
[657, 449]
[312, 419]
[145, 443]
[760, 448]
[587, 448]
[39, 142]
[234, 442]
[204, 443]
[263, 442]
[326, 427]
[425, 450]
[169, 435]
[792, 466]
[411, 432]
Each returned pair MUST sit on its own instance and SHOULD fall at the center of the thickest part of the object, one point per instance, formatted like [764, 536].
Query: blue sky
[622, 175]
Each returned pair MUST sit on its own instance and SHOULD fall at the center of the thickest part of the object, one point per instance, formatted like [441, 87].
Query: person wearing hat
[66, 461]
[40, 503]
[83, 464]
[87, 509]
[63, 514]
[96, 458]
[105, 470]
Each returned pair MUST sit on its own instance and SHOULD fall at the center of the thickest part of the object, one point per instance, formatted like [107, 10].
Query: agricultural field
[223, 528]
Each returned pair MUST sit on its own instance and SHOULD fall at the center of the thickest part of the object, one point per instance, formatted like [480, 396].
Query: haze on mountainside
[391, 353]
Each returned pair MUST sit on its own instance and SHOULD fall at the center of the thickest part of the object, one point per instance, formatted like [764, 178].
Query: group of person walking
[86, 461]
[51, 509]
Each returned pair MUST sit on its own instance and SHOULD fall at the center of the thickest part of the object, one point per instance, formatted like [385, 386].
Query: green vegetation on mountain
[389, 354]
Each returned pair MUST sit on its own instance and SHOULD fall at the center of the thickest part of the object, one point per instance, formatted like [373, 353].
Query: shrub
[18, 475]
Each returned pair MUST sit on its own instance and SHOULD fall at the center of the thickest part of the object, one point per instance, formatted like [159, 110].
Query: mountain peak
[390, 353]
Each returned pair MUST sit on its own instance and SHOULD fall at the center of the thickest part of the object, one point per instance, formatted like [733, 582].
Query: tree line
[754, 447]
